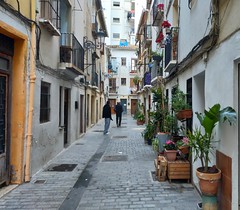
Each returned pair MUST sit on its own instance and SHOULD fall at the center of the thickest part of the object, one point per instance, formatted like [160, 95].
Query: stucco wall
[47, 140]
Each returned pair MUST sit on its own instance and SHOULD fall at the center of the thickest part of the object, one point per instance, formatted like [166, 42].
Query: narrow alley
[99, 171]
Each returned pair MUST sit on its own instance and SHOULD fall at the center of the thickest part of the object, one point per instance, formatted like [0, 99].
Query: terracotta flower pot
[171, 155]
[184, 114]
[184, 150]
[208, 182]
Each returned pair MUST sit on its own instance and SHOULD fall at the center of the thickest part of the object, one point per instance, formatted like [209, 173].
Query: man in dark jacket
[118, 109]
[108, 116]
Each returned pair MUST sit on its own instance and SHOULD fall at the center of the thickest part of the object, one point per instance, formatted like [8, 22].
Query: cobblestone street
[112, 172]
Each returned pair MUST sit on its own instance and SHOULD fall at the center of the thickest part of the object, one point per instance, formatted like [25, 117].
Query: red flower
[160, 37]
[166, 24]
[160, 6]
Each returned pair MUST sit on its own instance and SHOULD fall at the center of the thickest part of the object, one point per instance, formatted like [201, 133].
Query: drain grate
[124, 123]
[98, 131]
[119, 137]
[40, 181]
[61, 167]
[115, 158]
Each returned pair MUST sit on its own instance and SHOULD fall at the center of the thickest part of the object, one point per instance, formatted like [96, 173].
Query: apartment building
[121, 18]
[199, 54]
[52, 78]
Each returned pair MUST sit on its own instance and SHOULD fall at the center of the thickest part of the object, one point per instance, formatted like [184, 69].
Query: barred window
[45, 102]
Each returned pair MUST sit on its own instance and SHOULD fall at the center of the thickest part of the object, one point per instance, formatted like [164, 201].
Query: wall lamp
[88, 44]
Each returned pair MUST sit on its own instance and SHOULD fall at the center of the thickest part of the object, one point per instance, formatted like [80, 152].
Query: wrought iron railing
[95, 79]
[171, 46]
[148, 32]
[71, 50]
[50, 11]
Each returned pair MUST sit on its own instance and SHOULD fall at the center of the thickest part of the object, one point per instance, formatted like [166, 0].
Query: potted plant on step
[170, 151]
[201, 142]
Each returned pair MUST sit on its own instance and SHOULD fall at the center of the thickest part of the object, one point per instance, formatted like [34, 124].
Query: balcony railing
[148, 35]
[49, 15]
[95, 79]
[171, 49]
[71, 51]
[113, 90]
[156, 70]
[147, 78]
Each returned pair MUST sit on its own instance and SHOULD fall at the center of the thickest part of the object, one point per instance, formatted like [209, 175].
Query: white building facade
[121, 21]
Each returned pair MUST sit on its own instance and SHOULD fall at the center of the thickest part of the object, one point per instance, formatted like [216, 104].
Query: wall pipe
[31, 94]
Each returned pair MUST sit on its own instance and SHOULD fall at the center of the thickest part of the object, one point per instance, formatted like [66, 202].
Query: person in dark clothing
[108, 116]
[118, 109]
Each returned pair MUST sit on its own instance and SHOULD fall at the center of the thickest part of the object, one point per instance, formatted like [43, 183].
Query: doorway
[133, 106]
[66, 105]
[124, 105]
[81, 129]
[4, 121]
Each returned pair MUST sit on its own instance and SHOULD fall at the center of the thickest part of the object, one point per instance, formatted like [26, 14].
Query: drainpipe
[31, 95]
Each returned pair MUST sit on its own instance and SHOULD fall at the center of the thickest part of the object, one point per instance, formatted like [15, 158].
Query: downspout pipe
[31, 95]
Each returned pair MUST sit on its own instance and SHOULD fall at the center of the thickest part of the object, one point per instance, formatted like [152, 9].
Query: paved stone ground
[120, 177]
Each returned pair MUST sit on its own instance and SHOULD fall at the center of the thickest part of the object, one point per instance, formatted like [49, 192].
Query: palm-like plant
[200, 142]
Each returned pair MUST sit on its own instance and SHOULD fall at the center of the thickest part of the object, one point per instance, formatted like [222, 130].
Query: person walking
[108, 116]
[118, 109]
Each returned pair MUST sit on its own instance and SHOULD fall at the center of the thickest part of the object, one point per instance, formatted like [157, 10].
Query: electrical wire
[26, 20]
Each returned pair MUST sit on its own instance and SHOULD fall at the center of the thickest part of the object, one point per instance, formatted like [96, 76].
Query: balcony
[147, 79]
[95, 80]
[156, 70]
[171, 49]
[112, 90]
[71, 55]
[148, 35]
[49, 17]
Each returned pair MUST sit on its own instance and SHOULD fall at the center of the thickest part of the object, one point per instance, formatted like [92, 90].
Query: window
[116, 35]
[123, 61]
[112, 85]
[45, 102]
[123, 81]
[133, 65]
[116, 4]
[116, 20]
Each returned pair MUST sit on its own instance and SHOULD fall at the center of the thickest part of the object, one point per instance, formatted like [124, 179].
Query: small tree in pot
[201, 142]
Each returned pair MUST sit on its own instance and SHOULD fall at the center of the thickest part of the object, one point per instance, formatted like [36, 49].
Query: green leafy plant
[149, 131]
[201, 138]
[136, 80]
[155, 144]
[179, 100]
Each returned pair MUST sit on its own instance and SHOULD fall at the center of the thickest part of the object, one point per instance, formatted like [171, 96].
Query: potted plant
[170, 151]
[183, 145]
[155, 145]
[180, 106]
[156, 56]
[149, 133]
[140, 118]
[201, 142]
